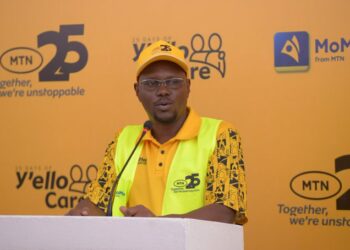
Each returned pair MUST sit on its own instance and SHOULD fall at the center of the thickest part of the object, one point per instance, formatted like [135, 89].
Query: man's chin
[166, 118]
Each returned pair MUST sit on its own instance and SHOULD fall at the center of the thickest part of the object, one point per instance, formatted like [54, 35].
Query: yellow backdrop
[66, 75]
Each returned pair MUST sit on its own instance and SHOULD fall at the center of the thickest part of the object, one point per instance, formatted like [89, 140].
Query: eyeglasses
[153, 84]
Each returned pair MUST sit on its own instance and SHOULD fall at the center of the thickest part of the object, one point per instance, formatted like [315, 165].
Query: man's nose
[163, 89]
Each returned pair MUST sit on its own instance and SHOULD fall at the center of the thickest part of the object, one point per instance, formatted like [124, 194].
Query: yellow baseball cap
[160, 51]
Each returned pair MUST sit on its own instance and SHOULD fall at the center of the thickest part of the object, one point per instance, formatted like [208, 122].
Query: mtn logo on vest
[189, 184]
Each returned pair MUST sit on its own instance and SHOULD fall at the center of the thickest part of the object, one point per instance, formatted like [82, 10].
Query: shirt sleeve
[99, 190]
[226, 182]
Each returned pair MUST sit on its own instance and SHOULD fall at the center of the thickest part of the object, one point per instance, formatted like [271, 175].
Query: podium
[102, 233]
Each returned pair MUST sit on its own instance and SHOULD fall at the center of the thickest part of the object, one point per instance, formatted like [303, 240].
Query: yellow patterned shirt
[225, 180]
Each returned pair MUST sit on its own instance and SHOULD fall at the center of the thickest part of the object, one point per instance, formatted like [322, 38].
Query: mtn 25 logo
[320, 185]
[22, 60]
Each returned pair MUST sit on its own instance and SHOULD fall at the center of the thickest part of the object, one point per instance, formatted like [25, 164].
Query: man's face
[163, 104]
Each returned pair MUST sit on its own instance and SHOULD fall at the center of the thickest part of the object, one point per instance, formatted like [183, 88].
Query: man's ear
[136, 88]
[189, 85]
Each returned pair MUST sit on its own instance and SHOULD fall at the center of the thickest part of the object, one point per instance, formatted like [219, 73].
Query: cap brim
[163, 57]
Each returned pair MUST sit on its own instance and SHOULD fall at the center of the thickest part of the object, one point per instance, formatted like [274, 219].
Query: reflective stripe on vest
[185, 187]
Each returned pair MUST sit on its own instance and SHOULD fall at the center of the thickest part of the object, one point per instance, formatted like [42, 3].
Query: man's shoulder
[128, 127]
[224, 126]
[226, 129]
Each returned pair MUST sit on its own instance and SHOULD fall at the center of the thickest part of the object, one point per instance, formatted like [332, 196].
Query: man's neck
[163, 132]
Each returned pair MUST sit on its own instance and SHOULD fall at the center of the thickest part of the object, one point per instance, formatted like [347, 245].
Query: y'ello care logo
[56, 185]
[206, 55]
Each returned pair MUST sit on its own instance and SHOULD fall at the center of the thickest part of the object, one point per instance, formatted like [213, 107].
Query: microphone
[146, 127]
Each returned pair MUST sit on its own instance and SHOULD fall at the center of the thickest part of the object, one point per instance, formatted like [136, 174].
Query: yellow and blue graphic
[291, 51]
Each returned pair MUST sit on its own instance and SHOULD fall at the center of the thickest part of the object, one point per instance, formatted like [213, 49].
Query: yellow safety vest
[185, 185]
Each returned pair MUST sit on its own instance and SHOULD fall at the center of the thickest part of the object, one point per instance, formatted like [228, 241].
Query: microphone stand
[146, 127]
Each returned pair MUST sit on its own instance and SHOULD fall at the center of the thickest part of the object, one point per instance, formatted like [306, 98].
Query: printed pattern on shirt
[226, 176]
[99, 190]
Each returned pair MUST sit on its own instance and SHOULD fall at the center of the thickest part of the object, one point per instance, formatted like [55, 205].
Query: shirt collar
[189, 129]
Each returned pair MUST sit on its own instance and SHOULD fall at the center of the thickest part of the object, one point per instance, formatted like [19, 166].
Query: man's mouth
[163, 105]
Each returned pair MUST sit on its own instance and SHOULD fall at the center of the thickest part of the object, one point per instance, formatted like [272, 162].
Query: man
[185, 166]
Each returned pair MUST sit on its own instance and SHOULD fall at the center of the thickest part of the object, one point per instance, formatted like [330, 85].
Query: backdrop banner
[278, 72]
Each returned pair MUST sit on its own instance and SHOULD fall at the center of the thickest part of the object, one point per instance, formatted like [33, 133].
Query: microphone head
[147, 125]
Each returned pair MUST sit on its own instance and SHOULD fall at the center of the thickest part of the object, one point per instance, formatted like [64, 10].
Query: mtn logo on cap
[165, 47]
[162, 47]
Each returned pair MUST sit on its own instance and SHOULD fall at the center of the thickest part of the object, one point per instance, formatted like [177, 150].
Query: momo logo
[206, 54]
[291, 51]
[320, 185]
[70, 57]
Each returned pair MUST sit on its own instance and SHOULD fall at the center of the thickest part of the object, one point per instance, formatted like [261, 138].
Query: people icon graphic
[78, 183]
[212, 55]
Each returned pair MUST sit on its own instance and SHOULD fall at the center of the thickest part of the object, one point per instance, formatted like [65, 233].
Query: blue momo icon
[291, 51]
